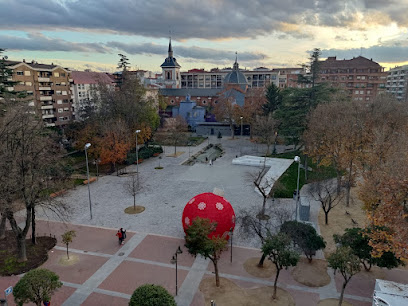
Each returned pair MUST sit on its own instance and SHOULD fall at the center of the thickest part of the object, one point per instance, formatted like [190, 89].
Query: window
[27, 73]
[66, 109]
[172, 101]
[58, 92]
[356, 92]
[60, 110]
[64, 92]
[62, 83]
[28, 83]
[361, 92]
[20, 73]
[61, 118]
[59, 101]
[56, 74]
[62, 74]
[204, 102]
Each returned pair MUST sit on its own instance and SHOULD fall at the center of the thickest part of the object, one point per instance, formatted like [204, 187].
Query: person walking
[119, 235]
[123, 234]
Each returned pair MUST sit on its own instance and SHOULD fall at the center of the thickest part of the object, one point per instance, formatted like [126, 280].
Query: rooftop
[90, 77]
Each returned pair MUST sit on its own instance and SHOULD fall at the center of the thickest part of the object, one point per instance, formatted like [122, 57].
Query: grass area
[287, 183]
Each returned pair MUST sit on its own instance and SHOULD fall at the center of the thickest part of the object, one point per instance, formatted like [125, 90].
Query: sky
[89, 34]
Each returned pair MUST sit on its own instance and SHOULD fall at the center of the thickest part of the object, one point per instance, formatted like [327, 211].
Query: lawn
[287, 183]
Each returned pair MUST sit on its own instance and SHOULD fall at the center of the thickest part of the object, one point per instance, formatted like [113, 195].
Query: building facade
[397, 84]
[47, 88]
[171, 70]
[362, 78]
[85, 87]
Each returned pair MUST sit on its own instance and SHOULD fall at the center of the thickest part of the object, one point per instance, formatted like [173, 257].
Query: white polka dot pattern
[219, 206]
[201, 206]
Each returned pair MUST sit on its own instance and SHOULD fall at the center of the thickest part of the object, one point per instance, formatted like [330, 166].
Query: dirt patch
[229, 294]
[64, 261]
[312, 274]
[36, 254]
[175, 155]
[339, 220]
[333, 302]
[131, 210]
[267, 271]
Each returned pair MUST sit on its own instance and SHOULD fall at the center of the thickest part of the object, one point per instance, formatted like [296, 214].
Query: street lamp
[297, 160]
[87, 173]
[174, 260]
[231, 233]
[242, 127]
[137, 154]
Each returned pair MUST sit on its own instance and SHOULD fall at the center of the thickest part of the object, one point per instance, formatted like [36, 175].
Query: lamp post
[174, 260]
[297, 159]
[87, 174]
[137, 154]
[231, 233]
[242, 127]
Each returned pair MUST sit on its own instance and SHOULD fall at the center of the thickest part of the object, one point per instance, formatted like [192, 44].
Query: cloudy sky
[84, 34]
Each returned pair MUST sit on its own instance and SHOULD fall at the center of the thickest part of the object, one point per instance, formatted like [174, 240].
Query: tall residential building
[397, 83]
[47, 88]
[361, 77]
[84, 87]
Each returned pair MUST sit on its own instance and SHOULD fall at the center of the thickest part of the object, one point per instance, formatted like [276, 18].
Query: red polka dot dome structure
[210, 206]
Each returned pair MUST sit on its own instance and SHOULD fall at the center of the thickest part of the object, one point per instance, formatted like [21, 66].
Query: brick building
[47, 88]
[362, 78]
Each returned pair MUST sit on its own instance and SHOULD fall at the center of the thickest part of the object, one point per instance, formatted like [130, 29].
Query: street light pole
[242, 127]
[137, 154]
[297, 159]
[87, 173]
[231, 233]
[174, 260]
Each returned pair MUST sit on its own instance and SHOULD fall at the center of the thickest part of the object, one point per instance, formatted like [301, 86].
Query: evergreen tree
[274, 99]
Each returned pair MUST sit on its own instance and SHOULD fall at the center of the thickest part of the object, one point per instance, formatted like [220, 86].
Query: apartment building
[85, 85]
[362, 78]
[47, 88]
[397, 84]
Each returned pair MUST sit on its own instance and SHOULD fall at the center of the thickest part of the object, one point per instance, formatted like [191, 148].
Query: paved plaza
[107, 273]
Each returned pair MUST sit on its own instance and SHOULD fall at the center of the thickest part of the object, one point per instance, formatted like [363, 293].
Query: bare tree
[263, 185]
[133, 186]
[176, 129]
[225, 110]
[33, 168]
[266, 129]
[326, 193]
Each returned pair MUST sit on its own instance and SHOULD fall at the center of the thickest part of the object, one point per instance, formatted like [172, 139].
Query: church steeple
[170, 51]
[236, 66]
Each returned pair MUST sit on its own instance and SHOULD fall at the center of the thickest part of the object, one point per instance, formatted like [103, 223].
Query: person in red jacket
[120, 236]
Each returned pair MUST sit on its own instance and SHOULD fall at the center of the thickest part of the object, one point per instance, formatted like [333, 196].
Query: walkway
[107, 273]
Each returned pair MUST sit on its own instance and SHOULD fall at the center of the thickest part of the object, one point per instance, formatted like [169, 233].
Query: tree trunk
[134, 202]
[338, 181]
[3, 226]
[263, 206]
[349, 184]
[261, 261]
[175, 150]
[342, 293]
[33, 240]
[306, 167]
[21, 246]
[217, 277]
[367, 268]
[67, 252]
[326, 217]
[275, 284]
[232, 130]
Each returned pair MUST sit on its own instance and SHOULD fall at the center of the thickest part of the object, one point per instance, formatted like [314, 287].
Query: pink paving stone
[88, 238]
[397, 275]
[58, 298]
[98, 299]
[303, 298]
[161, 249]
[361, 284]
[130, 275]
[77, 273]
[198, 299]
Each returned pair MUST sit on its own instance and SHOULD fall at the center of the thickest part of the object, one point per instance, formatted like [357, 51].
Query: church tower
[171, 70]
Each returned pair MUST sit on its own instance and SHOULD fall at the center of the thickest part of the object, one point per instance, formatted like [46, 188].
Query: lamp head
[87, 145]
[179, 251]
[241, 117]
[137, 131]
[297, 159]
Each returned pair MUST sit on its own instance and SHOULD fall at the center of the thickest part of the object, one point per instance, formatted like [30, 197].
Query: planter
[156, 154]
[91, 180]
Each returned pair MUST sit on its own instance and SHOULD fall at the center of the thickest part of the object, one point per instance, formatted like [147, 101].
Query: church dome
[235, 76]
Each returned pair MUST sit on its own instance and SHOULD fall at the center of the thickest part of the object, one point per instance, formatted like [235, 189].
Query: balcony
[46, 98]
[44, 88]
[43, 79]
[48, 116]
[50, 106]
[49, 124]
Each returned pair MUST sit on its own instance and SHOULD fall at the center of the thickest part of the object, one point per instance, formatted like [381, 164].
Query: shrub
[151, 295]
